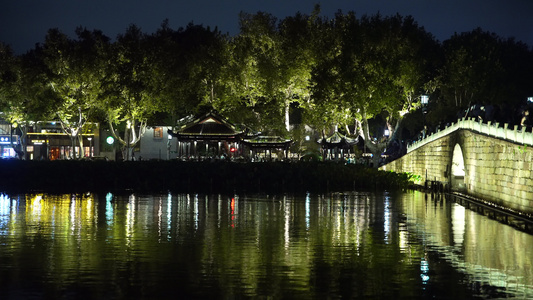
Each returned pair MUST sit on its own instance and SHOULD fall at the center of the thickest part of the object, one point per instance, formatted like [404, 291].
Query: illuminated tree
[74, 73]
[174, 96]
[359, 75]
[26, 96]
[250, 71]
[187, 67]
[481, 68]
[325, 110]
[127, 96]
[8, 73]
[11, 104]
[372, 68]
[270, 68]
[298, 35]
[208, 50]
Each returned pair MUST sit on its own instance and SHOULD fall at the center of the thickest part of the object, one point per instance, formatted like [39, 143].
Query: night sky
[25, 22]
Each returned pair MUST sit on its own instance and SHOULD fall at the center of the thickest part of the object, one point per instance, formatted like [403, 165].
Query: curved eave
[341, 144]
[207, 137]
[267, 145]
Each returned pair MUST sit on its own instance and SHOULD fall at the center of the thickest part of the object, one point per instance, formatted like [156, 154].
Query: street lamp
[110, 141]
[529, 99]
[424, 99]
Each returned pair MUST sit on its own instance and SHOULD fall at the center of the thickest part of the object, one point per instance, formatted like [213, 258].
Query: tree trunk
[131, 137]
[287, 107]
[82, 150]
[287, 114]
[21, 146]
[127, 138]
[377, 147]
[73, 145]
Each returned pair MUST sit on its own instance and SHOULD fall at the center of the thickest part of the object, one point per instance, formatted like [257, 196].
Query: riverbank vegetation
[193, 177]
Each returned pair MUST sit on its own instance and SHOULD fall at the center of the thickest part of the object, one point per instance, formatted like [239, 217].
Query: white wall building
[155, 144]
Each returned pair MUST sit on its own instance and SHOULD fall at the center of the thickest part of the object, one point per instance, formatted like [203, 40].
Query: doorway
[458, 169]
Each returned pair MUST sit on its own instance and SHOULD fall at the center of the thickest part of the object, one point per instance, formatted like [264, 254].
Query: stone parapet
[515, 134]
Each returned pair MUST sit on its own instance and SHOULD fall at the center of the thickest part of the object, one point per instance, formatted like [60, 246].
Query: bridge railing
[517, 134]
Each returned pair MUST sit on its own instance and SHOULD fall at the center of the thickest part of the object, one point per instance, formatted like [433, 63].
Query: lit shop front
[52, 146]
[48, 142]
[6, 149]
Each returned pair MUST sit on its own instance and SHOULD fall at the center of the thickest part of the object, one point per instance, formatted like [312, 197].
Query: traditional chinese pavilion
[265, 145]
[213, 136]
[209, 135]
[337, 146]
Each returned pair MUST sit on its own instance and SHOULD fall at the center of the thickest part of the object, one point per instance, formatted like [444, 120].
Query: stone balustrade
[516, 135]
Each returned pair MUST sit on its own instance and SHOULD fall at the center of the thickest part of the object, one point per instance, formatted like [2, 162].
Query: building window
[158, 132]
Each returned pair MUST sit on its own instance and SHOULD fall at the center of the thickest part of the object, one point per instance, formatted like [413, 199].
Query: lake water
[352, 245]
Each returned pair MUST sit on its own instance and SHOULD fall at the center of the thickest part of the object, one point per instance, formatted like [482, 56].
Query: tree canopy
[359, 75]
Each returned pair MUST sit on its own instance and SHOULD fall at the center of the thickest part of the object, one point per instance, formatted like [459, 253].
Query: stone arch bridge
[486, 161]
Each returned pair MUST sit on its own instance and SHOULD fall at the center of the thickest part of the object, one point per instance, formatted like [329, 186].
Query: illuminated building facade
[156, 143]
[47, 140]
[6, 148]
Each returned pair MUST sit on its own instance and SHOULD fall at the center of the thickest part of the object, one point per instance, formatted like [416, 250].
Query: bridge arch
[489, 162]
[458, 170]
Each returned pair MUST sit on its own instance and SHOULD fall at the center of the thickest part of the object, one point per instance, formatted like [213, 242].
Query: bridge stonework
[496, 170]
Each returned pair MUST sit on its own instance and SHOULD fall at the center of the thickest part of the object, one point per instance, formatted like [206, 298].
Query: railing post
[498, 130]
[505, 131]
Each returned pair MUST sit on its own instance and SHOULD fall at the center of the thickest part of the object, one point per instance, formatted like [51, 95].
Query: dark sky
[25, 22]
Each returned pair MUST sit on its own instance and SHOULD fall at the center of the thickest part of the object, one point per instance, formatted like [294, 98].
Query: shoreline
[192, 177]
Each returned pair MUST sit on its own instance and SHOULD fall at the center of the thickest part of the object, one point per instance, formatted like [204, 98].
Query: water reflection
[354, 245]
[491, 253]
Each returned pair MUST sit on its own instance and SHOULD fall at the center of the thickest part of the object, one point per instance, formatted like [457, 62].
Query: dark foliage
[192, 177]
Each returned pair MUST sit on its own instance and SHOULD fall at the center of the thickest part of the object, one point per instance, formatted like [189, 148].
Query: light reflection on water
[491, 253]
[353, 245]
